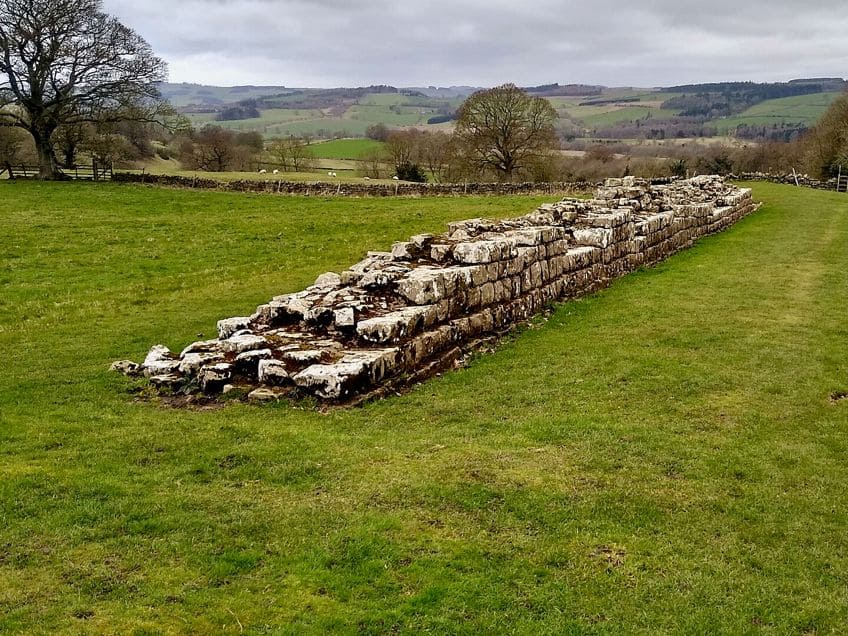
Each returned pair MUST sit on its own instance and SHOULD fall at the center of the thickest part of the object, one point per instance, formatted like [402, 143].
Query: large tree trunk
[48, 168]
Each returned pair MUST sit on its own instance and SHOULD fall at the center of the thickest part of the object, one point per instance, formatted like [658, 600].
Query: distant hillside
[747, 110]
[446, 92]
[183, 95]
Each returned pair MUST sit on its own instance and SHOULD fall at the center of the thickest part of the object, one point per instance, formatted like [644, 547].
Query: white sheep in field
[276, 172]
[332, 174]
[396, 178]
[367, 178]
[263, 171]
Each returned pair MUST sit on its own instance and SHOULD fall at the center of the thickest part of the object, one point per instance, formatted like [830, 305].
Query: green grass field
[662, 457]
[345, 148]
[282, 122]
[802, 109]
[626, 115]
[391, 109]
[606, 115]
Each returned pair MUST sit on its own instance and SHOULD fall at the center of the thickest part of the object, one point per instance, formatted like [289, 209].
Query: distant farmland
[803, 109]
[614, 113]
[345, 148]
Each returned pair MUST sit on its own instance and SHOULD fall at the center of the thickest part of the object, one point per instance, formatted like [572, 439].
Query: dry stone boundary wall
[362, 189]
[398, 316]
[802, 180]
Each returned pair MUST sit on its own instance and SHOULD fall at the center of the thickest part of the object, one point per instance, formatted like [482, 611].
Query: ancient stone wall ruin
[398, 316]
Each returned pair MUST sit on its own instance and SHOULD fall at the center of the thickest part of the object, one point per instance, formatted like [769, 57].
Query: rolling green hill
[802, 109]
[348, 112]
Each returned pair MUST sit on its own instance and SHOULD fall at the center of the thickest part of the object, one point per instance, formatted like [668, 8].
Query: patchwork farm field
[665, 456]
[345, 148]
[613, 107]
[802, 109]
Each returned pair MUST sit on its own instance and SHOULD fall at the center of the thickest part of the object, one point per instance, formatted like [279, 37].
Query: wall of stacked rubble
[788, 179]
[398, 316]
[357, 189]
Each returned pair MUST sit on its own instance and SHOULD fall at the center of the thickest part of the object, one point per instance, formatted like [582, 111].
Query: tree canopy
[66, 62]
[826, 144]
[504, 129]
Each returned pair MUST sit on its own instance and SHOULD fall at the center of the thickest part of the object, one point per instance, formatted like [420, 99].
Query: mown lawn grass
[661, 457]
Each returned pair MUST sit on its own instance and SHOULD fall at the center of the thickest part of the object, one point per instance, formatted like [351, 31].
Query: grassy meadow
[801, 109]
[351, 149]
[665, 456]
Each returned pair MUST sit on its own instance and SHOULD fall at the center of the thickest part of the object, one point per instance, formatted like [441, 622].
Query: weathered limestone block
[339, 380]
[241, 342]
[159, 361]
[229, 326]
[427, 285]
[212, 378]
[403, 251]
[441, 252]
[191, 362]
[381, 278]
[272, 372]
[374, 260]
[287, 309]
[329, 280]
[202, 346]
[595, 237]
[478, 252]
[300, 357]
[248, 361]
[166, 380]
[263, 395]
[396, 325]
[344, 317]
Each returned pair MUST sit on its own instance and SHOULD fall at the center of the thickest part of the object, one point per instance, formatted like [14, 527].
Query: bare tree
[293, 153]
[403, 146]
[214, 149]
[504, 129]
[66, 62]
[302, 156]
[68, 139]
[436, 153]
[279, 152]
[372, 163]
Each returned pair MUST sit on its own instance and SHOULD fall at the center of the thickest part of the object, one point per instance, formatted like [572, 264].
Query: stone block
[396, 325]
[329, 280]
[240, 343]
[229, 326]
[159, 361]
[212, 378]
[272, 372]
[191, 362]
[594, 237]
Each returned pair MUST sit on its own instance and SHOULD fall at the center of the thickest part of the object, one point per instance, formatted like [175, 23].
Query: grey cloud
[337, 42]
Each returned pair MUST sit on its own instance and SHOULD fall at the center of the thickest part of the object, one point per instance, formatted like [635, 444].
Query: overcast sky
[329, 43]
